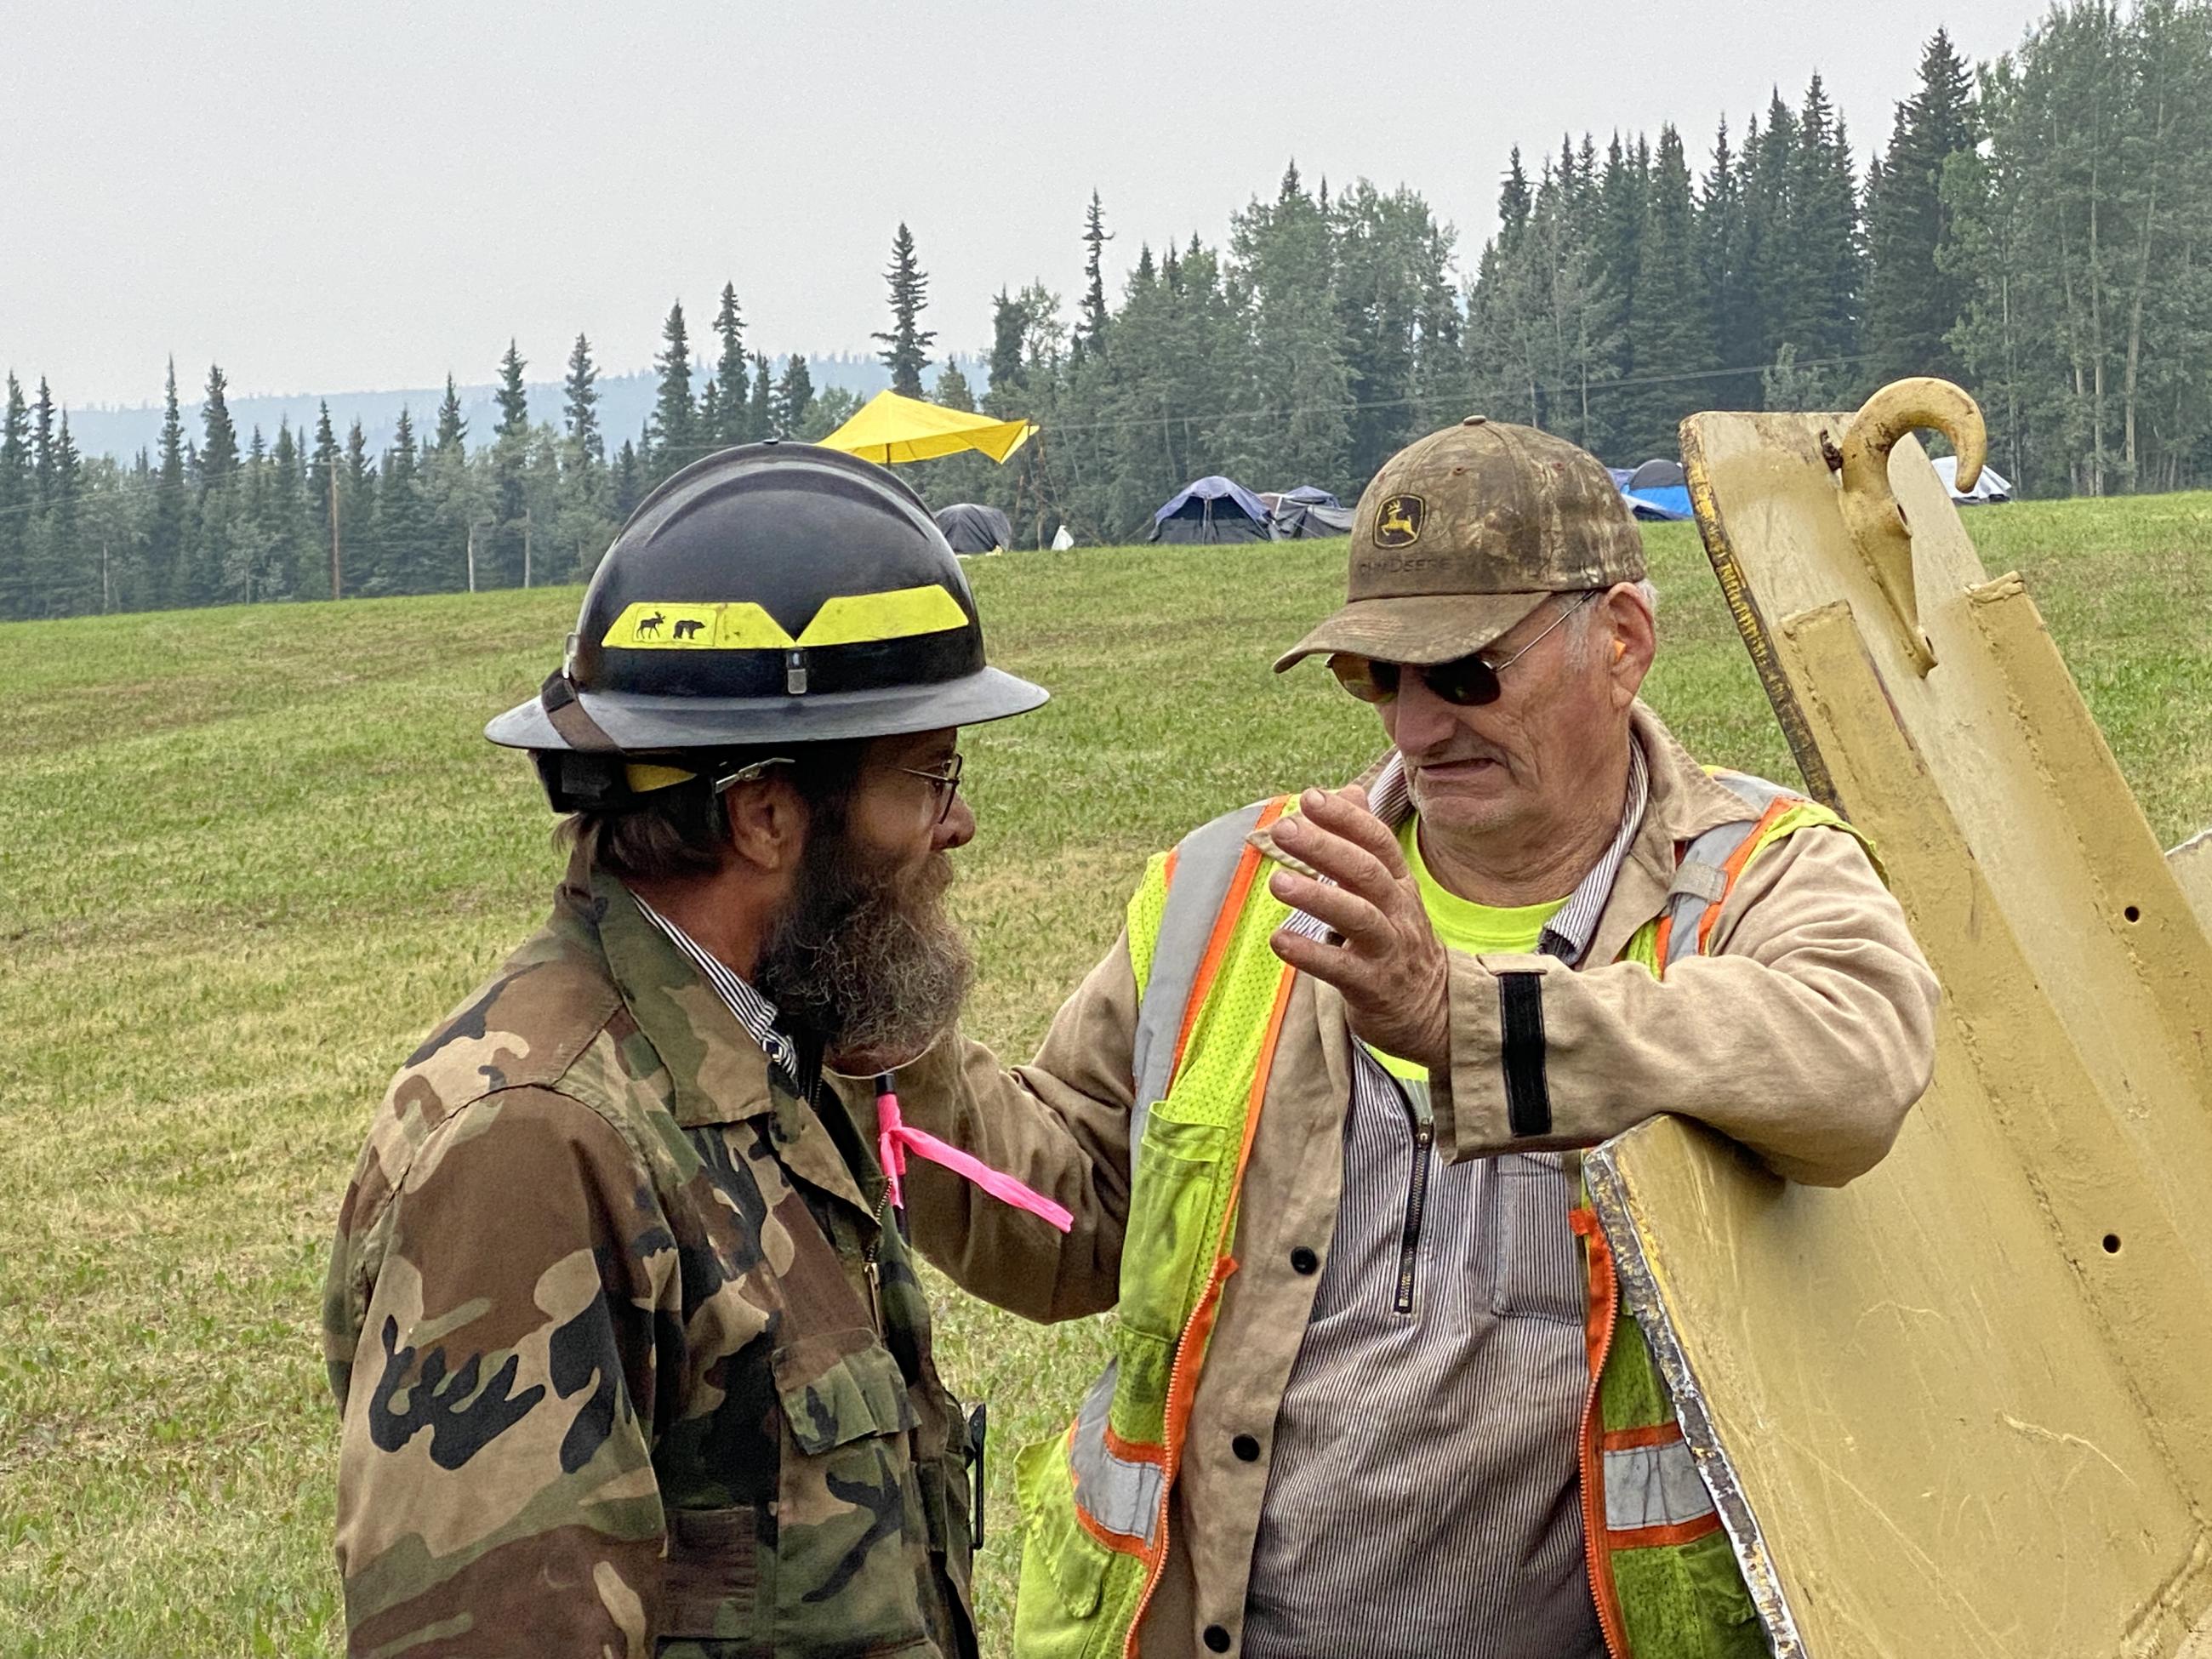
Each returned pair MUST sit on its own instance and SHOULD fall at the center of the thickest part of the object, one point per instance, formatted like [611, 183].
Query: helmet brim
[642, 724]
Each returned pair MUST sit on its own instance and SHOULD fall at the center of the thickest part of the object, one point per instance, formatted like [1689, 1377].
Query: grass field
[248, 856]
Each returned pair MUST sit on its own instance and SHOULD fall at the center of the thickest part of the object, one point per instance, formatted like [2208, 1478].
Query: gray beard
[873, 969]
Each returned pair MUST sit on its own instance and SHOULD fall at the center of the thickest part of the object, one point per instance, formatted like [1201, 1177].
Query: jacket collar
[1685, 802]
[717, 1074]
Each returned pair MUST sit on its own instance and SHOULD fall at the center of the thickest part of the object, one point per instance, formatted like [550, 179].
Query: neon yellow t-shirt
[1463, 925]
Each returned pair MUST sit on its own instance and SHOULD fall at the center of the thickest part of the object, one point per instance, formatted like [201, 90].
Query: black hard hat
[772, 594]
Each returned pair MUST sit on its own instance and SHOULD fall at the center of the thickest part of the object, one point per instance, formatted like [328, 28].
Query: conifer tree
[323, 473]
[14, 500]
[165, 551]
[794, 396]
[629, 480]
[292, 554]
[581, 406]
[1090, 329]
[453, 430]
[760, 408]
[513, 400]
[405, 535]
[219, 439]
[673, 435]
[1912, 303]
[906, 346]
[500, 554]
[1675, 347]
[729, 387]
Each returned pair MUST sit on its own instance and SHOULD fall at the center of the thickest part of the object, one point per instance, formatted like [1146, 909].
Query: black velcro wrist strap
[1521, 1017]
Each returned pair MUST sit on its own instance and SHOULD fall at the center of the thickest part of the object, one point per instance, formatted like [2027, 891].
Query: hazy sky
[340, 198]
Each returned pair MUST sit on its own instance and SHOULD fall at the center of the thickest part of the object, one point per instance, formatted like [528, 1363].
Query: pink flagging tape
[896, 1138]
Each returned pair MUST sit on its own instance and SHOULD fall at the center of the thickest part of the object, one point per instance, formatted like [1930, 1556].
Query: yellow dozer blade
[1964, 1406]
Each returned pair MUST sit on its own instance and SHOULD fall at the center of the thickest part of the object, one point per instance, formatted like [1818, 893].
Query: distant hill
[625, 401]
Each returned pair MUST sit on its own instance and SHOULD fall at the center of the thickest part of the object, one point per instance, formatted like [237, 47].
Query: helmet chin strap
[557, 697]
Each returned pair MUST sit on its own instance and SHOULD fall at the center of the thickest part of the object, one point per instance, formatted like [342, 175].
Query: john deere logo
[1398, 524]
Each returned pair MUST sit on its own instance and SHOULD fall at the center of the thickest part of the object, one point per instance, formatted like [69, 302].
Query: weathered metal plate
[1962, 1406]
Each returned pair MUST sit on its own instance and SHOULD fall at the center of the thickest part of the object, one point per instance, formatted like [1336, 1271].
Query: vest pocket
[1168, 1245]
[1064, 1569]
[1536, 1272]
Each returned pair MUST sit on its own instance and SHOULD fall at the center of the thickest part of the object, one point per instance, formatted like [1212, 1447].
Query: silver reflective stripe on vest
[1120, 1495]
[1701, 878]
[1654, 1486]
[1206, 863]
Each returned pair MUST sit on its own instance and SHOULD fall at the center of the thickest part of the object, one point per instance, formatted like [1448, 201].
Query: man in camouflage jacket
[631, 1358]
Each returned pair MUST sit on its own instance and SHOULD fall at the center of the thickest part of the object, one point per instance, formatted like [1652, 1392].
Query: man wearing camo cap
[1316, 1114]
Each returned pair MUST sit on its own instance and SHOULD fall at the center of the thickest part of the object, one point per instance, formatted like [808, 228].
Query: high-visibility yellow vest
[1211, 997]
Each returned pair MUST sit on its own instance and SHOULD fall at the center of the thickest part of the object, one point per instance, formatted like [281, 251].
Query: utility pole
[480, 524]
[526, 547]
[337, 589]
[106, 592]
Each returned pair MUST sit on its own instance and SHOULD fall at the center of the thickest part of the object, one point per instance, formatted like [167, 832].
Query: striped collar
[754, 1012]
[1568, 934]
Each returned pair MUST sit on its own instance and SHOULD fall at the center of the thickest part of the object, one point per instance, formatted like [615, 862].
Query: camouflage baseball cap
[1465, 531]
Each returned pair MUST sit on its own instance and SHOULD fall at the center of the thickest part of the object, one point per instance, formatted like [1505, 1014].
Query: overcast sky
[342, 198]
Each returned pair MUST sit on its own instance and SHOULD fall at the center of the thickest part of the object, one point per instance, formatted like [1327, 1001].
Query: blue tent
[1671, 502]
[1311, 495]
[1212, 509]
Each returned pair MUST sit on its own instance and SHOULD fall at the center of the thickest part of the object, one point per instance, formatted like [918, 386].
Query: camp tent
[1306, 512]
[1991, 487]
[888, 428]
[1663, 505]
[1212, 509]
[1657, 473]
[972, 528]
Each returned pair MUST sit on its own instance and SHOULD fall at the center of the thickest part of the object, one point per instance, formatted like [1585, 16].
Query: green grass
[248, 856]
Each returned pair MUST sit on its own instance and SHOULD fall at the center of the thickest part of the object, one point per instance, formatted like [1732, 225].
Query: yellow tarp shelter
[888, 428]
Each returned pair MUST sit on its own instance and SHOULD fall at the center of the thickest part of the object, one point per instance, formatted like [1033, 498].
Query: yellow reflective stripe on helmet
[739, 625]
[742, 625]
[864, 619]
[644, 778]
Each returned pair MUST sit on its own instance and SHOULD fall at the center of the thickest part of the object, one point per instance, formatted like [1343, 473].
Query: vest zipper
[1416, 1199]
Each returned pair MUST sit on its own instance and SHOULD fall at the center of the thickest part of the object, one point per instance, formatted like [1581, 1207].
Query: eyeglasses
[945, 778]
[1464, 682]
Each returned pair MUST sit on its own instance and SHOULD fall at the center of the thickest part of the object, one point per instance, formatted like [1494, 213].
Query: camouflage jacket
[627, 1364]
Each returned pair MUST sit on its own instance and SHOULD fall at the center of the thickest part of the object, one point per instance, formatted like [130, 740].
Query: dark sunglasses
[1466, 681]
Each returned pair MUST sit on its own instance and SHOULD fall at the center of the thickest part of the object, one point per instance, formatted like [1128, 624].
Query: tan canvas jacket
[1806, 1035]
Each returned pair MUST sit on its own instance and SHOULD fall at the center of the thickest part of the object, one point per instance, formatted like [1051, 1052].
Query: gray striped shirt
[754, 1012]
[1422, 1500]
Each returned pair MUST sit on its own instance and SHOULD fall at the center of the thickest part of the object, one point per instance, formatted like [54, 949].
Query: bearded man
[631, 1359]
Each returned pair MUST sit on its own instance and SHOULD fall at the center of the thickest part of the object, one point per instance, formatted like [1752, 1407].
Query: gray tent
[1304, 512]
[975, 529]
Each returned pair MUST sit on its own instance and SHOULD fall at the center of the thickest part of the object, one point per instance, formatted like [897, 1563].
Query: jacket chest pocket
[1536, 1268]
[852, 1542]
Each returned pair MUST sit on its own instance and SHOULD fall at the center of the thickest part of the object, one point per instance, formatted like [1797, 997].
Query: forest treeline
[2038, 228]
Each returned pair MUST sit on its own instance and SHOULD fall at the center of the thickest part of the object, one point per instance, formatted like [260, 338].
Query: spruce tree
[760, 408]
[219, 440]
[513, 400]
[453, 430]
[628, 478]
[323, 489]
[673, 435]
[1090, 328]
[581, 406]
[1912, 303]
[405, 535]
[165, 532]
[292, 556]
[358, 528]
[1009, 327]
[906, 347]
[729, 387]
[14, 500]
[1675, 344]
[794, 396]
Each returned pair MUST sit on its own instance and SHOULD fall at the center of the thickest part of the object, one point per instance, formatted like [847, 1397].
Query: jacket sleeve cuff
[1497, 1095]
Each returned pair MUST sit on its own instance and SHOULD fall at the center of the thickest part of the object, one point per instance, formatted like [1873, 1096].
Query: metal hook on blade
[1870, 509]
